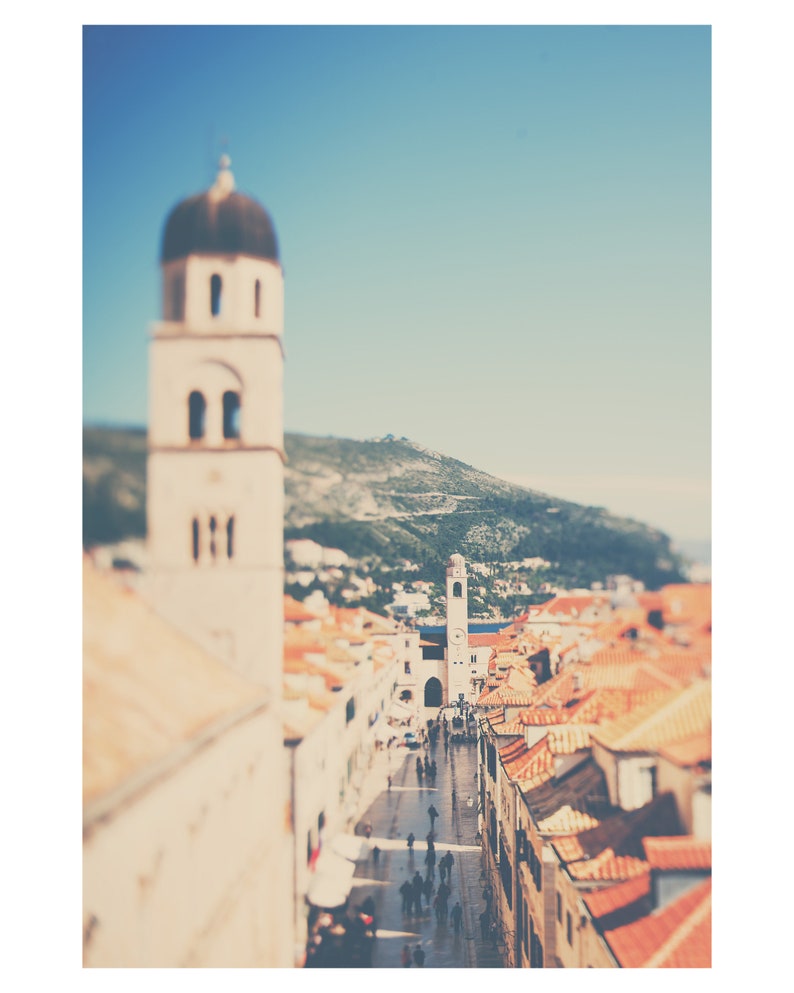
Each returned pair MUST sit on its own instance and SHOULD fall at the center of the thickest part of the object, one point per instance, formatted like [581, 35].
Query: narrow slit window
[230, 538]
[231, 414]
[257, 297]
[213, 529]
[177, 298]
[197, 408]
[215, 294]
[195, 537]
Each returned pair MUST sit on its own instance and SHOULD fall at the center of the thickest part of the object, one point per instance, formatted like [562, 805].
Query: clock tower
[457, 628]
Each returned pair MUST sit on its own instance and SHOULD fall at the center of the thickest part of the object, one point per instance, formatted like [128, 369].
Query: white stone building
[186, 842]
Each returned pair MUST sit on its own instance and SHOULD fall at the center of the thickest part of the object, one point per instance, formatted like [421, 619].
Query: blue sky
[496, 240]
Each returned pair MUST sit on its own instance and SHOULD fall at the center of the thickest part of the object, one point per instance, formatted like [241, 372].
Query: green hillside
[386, 500]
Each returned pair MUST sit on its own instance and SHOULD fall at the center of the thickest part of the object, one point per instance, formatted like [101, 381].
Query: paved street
[393, 814]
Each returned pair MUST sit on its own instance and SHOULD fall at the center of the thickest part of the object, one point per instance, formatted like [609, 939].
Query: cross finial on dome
[224, 182]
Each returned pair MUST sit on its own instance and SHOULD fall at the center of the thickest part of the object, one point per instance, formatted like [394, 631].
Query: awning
[332, 880]
[349, 846]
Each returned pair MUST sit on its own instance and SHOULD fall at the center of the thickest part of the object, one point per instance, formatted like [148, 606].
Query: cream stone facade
[185, 840]
[187, 846]
[215, 487]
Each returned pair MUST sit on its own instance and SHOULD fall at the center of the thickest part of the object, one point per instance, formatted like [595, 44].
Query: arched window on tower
[195, 538]
[457, 589]
[197, 408]
[257, 297]
[215, 294]
[230, 538]
[231, 414]
[177, 298]
[213, 529]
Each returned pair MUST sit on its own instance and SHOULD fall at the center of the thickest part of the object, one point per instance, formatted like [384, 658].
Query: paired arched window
[197, 410]
[212, 530]
[457, 589]
[231, 414]
[216, 284]
[197, 415]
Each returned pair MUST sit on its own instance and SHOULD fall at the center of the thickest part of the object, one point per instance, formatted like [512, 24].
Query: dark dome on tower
[219, 222]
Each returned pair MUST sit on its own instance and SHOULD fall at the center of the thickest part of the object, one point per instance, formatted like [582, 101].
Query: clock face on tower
[456, 636]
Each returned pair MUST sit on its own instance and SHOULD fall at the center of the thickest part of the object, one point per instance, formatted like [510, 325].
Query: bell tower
[457, 628]
[215, 488]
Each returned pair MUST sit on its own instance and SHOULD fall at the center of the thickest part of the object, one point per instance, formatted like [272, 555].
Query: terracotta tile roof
[593, 707]
[516, 688]
[483, 640]
[684, 714]
[692, 751]
[649, 601]
[566, 820]
[511, 727]
[536, 765]
[677, 937]
[606, 901]
[678, 852]
[619, 628]
[607, 865]
[295, 612]
[686, 603]
[570, 606]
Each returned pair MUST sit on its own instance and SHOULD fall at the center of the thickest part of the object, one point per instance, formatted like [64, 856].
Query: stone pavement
[393, 814]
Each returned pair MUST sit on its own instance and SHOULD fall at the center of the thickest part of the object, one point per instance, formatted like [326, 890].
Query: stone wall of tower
[457, 629]
[215, 496]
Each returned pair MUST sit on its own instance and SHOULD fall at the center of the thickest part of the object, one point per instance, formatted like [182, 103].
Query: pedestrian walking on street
[450, 862]
[416, 886]
[411, 839]
[375, 854]
[457, 917]
[427, 889]
[389, 782]
[419, 956]
[407, 893]
[443, 896]
[405, 957]
[485, 920]
[430, 860]
[433, 815]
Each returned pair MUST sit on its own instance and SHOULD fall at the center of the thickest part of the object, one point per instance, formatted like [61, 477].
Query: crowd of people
[343, 938]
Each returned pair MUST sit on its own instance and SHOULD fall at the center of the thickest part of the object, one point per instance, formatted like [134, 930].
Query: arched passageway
[433, 692]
